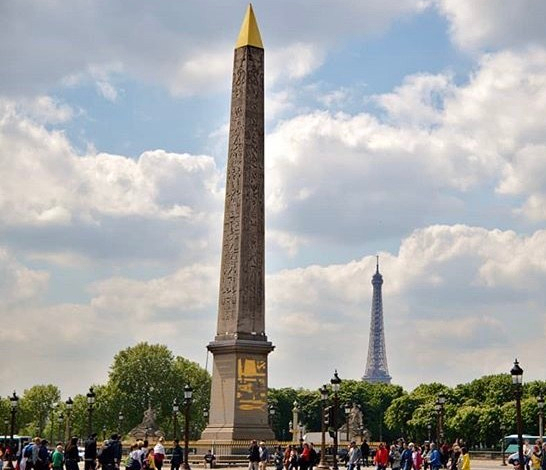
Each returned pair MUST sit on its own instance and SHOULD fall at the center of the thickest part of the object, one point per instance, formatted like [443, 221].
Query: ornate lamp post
[517, 382]
[188, 392]
[324, 421]
[429, 428]
[14, 403]
[540, 404]
[90, 402]
[348, 408]
[176, 409]
[60, 420]
[120, 422]
[104, 433]
[52, 422]
[336, 382]
[206, 415]
[439, 407]
[69, 405]
[272, 412]
[6, 423]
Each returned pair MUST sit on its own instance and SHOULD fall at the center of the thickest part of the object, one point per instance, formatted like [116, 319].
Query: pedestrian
[305, 457]
[455, 454]
[159, 453]
[365, 450]
[57, 458]
[264, 456]
[253, 456]
[278, 458]
[406, 456]
[314, 456]
[394, 457]
[90, 452]
[177, 457]
[354, 455]
[381, 457]
[209, 458]
[105, 456]
[134, 458]
[71, 454]
[465, 459]
[417, 458]
[435, 459]
[425, 454]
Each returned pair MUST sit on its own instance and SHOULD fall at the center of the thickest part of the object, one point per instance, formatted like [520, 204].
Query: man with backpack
[106, 456]
[435, 459]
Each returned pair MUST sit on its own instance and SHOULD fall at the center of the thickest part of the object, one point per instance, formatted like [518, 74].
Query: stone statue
[355, 421]
[147, 428]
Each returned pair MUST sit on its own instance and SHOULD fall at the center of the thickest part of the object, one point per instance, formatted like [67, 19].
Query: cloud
[434, 148]
[20, 284]
[174, 44]
[48, 186]
[495, 23]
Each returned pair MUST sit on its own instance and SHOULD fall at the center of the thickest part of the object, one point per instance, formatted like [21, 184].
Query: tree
[35, 408]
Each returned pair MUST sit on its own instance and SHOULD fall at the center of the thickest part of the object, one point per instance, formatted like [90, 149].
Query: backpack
[27, 450]
[106, 454]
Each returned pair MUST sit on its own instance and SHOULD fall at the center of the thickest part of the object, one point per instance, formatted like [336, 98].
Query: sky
[412, 129]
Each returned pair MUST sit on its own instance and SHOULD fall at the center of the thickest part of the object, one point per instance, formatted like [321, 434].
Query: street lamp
[439, 407]
[188, 392]
[348, 408]
[60, 419]
[517, 382]
[120, 422]
[323, 422]
[429, 427]
[336, 382]
[272, 412]
[176, 409]
[206, 415]
[14, 402]
[6, 423]
[90, 402]
[69, 405]
[540, 404]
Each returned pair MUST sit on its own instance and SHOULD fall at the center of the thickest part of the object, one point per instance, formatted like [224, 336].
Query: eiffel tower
[376, 366]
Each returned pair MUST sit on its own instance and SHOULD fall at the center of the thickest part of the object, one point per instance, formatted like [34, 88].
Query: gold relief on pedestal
[251, 392]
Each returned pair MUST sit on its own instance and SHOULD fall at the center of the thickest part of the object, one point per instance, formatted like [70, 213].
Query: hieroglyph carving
[241, 300]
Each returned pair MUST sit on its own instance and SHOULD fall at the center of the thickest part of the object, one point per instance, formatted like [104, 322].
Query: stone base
[238, 405]
[240, 433]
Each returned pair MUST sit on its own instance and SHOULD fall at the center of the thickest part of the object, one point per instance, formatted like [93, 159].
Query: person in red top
[305, 457]
[381, 458]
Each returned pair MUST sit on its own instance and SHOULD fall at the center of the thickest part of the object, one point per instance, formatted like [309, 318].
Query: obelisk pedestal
[238, 406]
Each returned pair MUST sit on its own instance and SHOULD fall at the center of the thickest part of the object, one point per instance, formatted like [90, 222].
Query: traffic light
[327, 415]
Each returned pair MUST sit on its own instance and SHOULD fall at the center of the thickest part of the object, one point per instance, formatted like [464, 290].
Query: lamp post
[188, 392]
[323, 422]
[348, 408]
[429, 428]
[176, 409]
[14, 403]
[272, 412]
[6, 423]
[120, 422]
[69, 405]
[90, 402]
[540, 404]
[439, 406]
[60, 420]
[336, 382]
[52, 422]
[503, 450]
[517, 382]
[206, 415]
[104, 433]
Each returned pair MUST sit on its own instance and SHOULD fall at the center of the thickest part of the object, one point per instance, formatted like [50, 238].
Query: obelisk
[238, 405]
